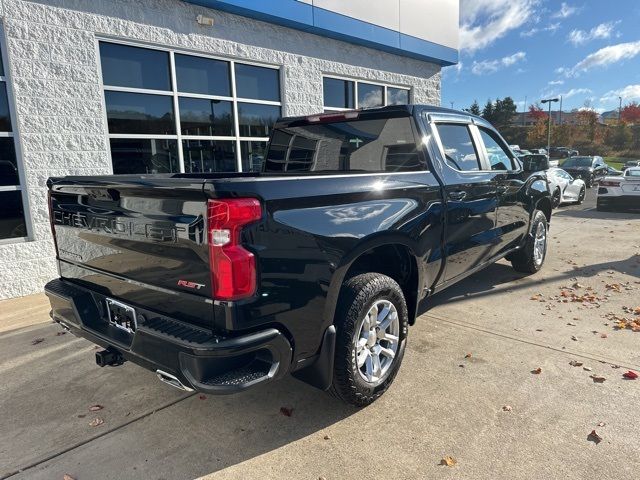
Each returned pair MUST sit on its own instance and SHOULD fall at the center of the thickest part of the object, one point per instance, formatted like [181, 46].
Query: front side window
[381, 145]
[196, 125]
[497, 154]
[458, 147]
[13, 223]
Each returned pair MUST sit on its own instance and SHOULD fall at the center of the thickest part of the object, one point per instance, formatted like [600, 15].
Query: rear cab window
[358, 145]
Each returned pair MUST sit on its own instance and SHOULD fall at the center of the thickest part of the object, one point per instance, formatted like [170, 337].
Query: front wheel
[556, 199]
[531, 256]
[581, 195]
[372, 324]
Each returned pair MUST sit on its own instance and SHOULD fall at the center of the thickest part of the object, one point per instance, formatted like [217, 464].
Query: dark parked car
[315, 266]
[589, 169]
[562, 152]
[612, 172]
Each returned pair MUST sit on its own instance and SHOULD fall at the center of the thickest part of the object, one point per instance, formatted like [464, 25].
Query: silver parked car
[564, 188]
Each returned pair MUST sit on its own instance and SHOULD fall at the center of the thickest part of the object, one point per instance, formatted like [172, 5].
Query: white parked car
[620, 192]
[564, 188]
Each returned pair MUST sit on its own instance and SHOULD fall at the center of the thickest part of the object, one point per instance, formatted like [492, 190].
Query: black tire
[589, 182]
[581, 195]
[556, 198]
[525, 259]
[357, 297]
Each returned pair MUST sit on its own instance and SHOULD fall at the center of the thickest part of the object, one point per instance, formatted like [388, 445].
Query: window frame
[474, 141]
[486, 163]
[175, 94]
[14, 134]
[356, 81]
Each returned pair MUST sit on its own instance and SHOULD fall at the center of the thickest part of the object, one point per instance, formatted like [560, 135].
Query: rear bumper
[618, 202]
[197, 357]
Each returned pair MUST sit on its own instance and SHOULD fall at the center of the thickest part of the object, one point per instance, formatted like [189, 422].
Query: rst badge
[188, 284]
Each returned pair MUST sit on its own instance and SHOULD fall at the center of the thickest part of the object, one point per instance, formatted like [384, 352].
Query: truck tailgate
[139, 239]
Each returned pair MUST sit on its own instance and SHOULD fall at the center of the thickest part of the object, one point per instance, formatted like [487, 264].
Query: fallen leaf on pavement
[67, 477]
[468, 355]
[601, 424]
[507, 408]
[575, 363]
[327, 437]
[36, 341]
[286, 411]
[630, 375]
[95, 408]
[537, 371]
[588, 369]
[202, 397]
[594, 437]
[448, 461]
[63, 332]
[574, 338]
[597, 379]
[96, 422]
[603, 335]
[571, 324]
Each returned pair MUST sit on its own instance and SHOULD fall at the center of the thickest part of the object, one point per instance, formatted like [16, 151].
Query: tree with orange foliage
[631, 113]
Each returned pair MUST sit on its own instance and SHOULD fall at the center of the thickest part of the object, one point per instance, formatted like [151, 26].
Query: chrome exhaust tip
[172, 380]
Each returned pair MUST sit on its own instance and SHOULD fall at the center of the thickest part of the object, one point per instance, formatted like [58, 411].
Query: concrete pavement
[440, 404]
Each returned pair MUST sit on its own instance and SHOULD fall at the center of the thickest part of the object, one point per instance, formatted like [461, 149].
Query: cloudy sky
[588, 51]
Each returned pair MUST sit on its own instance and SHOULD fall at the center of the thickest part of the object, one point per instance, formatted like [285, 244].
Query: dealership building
[94, 87]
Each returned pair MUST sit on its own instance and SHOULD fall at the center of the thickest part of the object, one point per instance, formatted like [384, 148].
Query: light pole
[549, 101]
[451, 105]
[524, 111]
[620, 111]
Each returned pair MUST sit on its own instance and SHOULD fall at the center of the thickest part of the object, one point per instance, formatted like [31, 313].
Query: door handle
[457, 195]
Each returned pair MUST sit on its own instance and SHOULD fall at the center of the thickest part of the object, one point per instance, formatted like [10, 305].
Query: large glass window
[340, 94]
[13, 223]
[196, 125]
[496, 151]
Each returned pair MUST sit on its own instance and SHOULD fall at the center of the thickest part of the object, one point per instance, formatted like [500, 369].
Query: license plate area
[121, 316]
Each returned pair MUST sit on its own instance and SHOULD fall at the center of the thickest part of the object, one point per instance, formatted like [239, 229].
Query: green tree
[475, 108]
[504, 112]
[488, 112]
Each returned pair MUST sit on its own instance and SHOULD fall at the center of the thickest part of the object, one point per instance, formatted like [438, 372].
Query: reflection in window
[459, 150]
[8, 163]
[12, 224]
[497, 154]
[397, 96]
[199, 116]
[370, 95]
[206, 156]
[256, 120]
[359, 145]
[139, 113]
[135, 67]
[202, 75]
[252, 154]
[338, 93]
[133, 155]
[258, 83]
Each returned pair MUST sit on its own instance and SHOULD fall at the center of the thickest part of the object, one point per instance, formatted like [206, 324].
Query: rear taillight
[609, 183]
[233, 268]
[53, 230]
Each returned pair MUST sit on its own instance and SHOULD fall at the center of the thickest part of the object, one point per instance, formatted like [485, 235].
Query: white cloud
[565, 11]
[576, 91]
[605, 57]
[492, 66]
[602, 31]
[482, 22]
[556, 82]
[628, 94]
[453, 70]
[535, 30]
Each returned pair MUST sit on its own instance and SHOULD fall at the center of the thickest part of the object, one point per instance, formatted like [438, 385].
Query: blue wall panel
[302, 16]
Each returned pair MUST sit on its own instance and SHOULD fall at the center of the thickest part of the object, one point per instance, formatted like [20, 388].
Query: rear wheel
[371, 323]
[531, 256]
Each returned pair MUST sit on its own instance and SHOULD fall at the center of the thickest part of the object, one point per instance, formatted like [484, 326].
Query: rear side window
[459, 150]
[497, 154]
[380, 145]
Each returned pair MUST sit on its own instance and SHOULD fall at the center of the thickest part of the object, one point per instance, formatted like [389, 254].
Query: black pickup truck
[314, 266]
